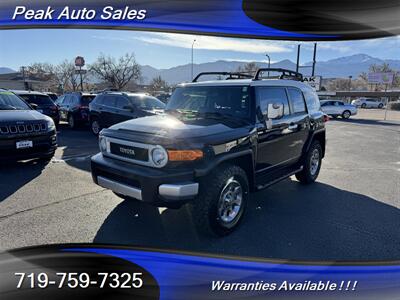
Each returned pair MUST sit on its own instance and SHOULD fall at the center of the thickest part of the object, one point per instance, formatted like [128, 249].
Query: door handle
[292, 126]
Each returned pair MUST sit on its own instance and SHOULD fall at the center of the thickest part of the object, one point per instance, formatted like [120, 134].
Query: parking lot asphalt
[351, 213]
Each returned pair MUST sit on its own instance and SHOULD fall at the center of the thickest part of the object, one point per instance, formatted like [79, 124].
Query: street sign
[80, 71]
[79, 61]
[313, 81]
[381, 77]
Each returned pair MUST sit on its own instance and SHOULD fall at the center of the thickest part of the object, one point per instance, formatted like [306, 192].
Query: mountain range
[345, 66]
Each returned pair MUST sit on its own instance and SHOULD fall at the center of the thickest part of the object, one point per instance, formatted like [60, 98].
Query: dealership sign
[381, 77]
[79, 61]
[313, 81]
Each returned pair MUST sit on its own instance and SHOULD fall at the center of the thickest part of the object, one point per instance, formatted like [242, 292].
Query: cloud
[214, 43]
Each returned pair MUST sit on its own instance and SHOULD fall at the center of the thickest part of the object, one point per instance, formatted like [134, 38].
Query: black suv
[110, 108]
[74, 108]
[42, 103]
[217, 142]
[24, 132]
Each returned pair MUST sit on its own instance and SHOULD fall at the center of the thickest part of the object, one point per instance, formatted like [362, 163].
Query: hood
[167, 125]
[20, 115]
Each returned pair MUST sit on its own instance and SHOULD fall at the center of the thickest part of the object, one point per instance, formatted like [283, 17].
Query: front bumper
[155, 186]
[43, 146]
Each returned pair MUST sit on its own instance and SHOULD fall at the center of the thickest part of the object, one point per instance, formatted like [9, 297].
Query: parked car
[335, 108]
[368, 103]
[74, 108]
[217, 142]
[110, 108]
[41, 102]
[24, 132]
[53, 96]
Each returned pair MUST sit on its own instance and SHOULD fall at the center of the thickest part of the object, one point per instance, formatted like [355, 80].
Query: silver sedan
[335, 108]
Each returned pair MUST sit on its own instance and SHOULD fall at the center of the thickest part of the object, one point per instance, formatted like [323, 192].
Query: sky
[166, 50]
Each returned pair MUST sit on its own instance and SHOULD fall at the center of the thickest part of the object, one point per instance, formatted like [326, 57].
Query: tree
[384, 68]
[117, 72]
[158, 84]
[249, 68]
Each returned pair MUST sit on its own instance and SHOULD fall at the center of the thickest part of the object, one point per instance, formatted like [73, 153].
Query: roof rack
[232, 75]
[285, 74]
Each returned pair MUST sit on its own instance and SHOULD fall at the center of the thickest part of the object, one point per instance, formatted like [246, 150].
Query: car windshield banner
[283, 19]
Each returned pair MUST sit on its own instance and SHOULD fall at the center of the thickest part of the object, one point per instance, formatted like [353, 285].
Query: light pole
[194, 41]
[269, 62]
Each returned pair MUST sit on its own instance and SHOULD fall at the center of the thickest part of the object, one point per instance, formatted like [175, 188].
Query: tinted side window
[311, 100]
[271, 95]
[121, 102]
[109, 100]
[297, 100]
[98, 100]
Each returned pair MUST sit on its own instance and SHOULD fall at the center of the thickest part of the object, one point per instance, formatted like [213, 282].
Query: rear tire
[346, 114]
[312, 164]
[222, 201]
[95, 126]
[71, 122]
[380, 105]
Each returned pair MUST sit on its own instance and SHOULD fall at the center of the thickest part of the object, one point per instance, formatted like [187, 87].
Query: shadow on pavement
[288, 221]
[15, 175]
[77, 145]
[366, 122]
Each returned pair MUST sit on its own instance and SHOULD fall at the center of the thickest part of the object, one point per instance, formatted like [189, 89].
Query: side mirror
[33, 105]
[275, 111]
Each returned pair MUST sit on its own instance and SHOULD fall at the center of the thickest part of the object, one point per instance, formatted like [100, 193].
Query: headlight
[159, 157]
[102, 144]
[50, 124]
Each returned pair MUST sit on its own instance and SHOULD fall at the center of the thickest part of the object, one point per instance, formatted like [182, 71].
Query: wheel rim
[346, 114]
[230, 201]
[95, 127]
[314, 162]
[71, 122]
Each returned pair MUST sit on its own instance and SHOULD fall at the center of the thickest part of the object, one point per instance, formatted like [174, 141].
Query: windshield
[37, 99]
[211, 101]
[9, 101]
[147, 103]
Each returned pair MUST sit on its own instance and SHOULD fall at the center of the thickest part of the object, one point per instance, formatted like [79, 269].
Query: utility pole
[191, 78]
[269, 62]
[298, 58]
[314, 59]
[24, 78]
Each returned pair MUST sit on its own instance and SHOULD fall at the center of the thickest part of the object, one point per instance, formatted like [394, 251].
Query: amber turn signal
[184, 155]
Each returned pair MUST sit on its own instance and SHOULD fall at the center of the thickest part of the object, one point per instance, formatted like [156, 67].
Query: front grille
[33, 127]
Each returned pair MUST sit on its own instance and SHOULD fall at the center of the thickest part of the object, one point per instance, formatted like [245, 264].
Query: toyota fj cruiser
[217, 142]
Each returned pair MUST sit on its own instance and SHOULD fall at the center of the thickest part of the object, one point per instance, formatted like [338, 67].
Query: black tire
[93, 121]
[380, 105]
[207, 207]
[363, 105]
[346, 114]
[71, 122]
[309, 174]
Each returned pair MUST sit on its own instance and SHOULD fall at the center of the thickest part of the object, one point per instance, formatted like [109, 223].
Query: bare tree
[158, 84]
[249, 68]
[118, 72]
